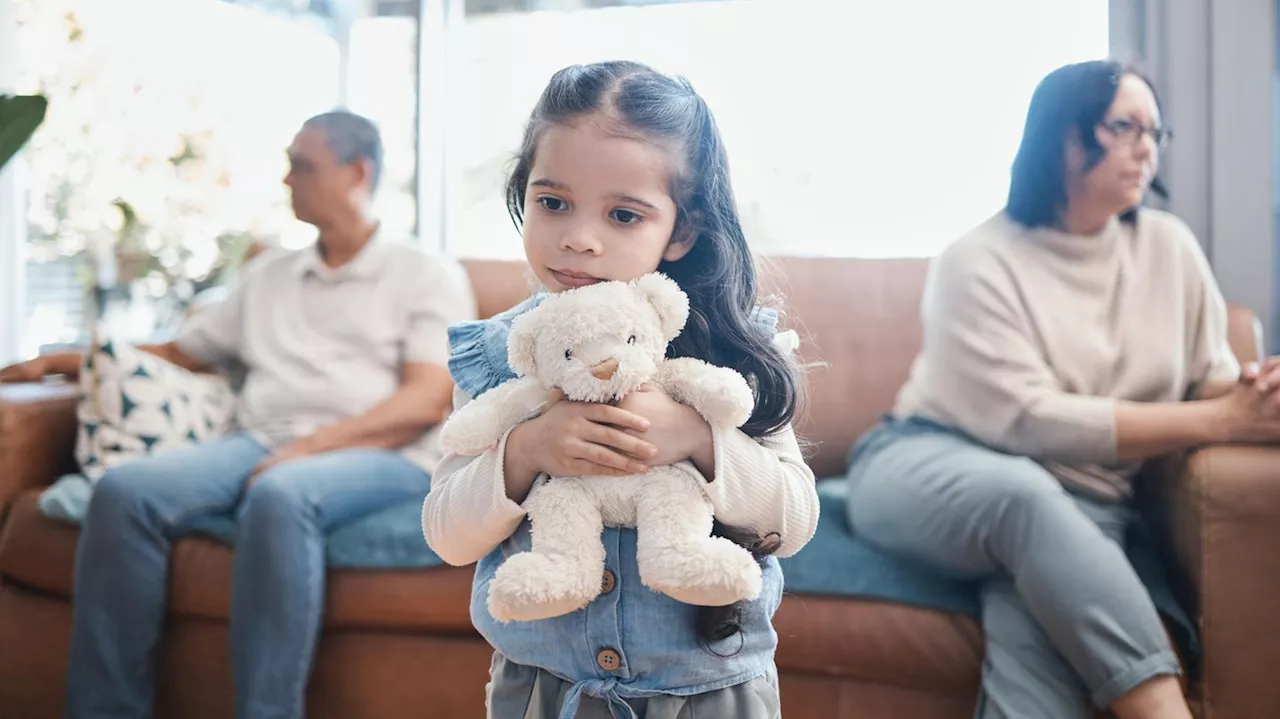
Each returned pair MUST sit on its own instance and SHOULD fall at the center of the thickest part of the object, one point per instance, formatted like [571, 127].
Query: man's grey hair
[351, 138]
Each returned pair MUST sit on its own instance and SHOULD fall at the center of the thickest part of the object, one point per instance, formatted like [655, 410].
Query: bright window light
[873, 129]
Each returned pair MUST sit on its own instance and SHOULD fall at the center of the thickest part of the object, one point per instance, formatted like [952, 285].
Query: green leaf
[20, 115]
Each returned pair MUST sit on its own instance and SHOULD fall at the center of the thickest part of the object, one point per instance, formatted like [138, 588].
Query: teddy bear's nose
[605, 370]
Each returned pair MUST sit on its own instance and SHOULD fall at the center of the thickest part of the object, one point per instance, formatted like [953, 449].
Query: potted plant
[20, 115]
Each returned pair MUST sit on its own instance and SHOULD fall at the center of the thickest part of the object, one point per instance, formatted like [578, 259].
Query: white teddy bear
[596, 344]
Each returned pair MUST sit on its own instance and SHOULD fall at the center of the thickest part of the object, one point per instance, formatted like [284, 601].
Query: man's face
[319, 185]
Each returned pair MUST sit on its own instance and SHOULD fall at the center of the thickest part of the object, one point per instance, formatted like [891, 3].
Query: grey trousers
[516, 691]
[1069, 625]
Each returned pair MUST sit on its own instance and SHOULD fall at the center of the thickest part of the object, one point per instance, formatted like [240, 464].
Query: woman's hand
[1250, 412]
[1264, 377]
[677, 430]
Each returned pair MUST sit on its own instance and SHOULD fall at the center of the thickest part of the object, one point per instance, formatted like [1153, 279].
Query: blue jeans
[277, 599]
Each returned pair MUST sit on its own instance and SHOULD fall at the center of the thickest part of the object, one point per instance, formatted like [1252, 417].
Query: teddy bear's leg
[563, 570]
[675, 551]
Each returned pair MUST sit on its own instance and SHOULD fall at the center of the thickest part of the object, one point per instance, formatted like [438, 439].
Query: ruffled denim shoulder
[767, 319]
[478, 349]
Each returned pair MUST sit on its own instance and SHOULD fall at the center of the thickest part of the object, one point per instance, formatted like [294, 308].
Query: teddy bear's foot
[710, 571]
[531, 586]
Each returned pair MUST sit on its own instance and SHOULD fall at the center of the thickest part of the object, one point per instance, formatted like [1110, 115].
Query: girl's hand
[576, 438]
[677, 430]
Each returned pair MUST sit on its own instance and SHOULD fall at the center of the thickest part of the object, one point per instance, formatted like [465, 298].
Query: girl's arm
[763, 486]
[467, 513]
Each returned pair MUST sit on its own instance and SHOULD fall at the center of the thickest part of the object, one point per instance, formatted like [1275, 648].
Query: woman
[1066, 339]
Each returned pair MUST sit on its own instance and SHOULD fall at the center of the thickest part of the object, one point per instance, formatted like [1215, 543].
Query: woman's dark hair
[1072, 99]
[718, 274]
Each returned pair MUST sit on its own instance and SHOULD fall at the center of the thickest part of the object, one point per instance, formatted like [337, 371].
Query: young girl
[622, 173]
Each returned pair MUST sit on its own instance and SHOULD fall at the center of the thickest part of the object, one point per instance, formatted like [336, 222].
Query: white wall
[12, 211]
[1214, 64]
[1243, 55]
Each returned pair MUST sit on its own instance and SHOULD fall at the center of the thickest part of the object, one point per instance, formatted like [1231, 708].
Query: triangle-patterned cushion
[133, 404]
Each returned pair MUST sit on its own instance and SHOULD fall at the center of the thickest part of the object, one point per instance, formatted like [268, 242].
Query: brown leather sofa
[399, 643]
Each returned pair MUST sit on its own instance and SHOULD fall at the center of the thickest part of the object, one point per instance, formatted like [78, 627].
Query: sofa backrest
[859, 328]
[859, 325]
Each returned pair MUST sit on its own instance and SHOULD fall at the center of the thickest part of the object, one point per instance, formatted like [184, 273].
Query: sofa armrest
[1217, 511]
[37, 436]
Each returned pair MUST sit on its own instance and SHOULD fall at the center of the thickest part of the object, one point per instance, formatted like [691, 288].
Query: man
[346, 349]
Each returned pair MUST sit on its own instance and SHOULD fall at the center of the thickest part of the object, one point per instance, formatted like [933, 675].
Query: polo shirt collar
[365, 265]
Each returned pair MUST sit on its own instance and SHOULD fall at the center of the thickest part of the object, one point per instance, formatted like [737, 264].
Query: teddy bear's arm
[719, 394]
[480, 424]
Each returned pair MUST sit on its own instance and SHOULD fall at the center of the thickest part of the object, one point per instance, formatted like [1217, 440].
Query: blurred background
[161, 156]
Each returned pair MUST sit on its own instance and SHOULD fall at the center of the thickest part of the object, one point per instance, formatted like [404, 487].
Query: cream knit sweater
[1031, 335]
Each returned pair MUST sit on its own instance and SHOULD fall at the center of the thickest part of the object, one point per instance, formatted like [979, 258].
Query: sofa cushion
[850, 610]
[826, 636]
[388, 539]
[39, 552]
[133, 403]
[834, 563]
[879, 642]
[818, 635]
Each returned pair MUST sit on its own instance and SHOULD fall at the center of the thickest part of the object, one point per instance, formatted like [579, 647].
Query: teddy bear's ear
[667, 299]
[522, 345]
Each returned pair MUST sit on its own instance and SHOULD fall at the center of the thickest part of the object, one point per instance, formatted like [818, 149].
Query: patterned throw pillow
[133, 404]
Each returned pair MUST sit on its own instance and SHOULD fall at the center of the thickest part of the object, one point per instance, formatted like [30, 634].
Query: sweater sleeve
[1212, 367]
[764, 486]
[985, 372]
[467, 512]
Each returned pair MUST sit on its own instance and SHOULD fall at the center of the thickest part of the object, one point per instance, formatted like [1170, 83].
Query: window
[382, 85]
[864, 129]
[868, 129]
[163, 153]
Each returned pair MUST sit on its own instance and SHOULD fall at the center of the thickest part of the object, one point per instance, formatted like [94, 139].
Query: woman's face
[1129, 134]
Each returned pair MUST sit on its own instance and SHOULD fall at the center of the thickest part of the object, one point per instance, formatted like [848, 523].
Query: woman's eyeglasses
[1131, 132]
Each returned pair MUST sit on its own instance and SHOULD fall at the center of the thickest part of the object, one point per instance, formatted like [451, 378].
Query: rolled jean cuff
[1162, 664]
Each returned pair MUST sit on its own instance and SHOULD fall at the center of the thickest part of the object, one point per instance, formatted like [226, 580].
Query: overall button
[607, 582]
[608, 660]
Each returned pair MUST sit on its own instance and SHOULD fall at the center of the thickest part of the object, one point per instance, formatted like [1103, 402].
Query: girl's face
[598, 206]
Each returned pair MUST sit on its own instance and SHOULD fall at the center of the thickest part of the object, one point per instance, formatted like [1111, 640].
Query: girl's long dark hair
[718, 274]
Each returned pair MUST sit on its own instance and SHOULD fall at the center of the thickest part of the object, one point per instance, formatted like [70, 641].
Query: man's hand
[421, 401]
[67, 364]
[29, 371]
[297, 449]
